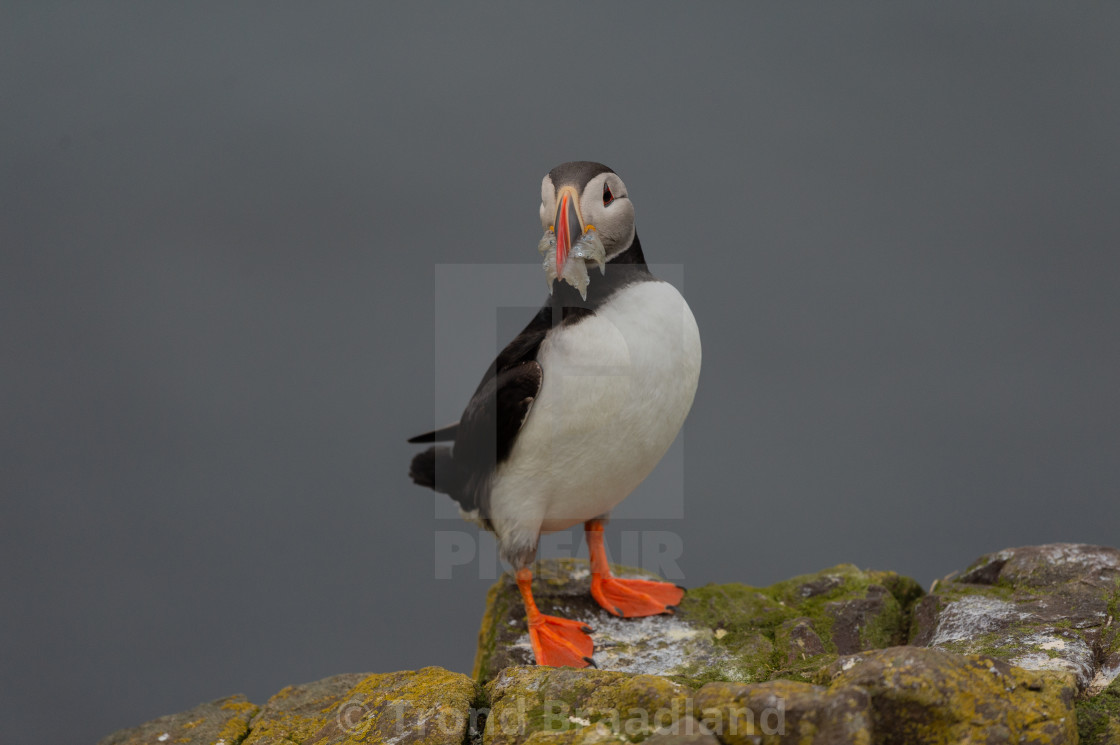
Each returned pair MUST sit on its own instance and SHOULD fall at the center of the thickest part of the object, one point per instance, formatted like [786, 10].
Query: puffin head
[587, 218]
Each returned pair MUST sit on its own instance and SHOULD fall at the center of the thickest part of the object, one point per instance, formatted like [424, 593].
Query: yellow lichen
[240, 706]
[235, 730]
[497, 607]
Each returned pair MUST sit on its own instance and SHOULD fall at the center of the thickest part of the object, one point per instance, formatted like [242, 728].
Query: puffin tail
[432, 468]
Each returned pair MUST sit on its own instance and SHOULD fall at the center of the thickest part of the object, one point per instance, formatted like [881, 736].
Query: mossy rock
[431, 706]
[226, 719]
[550, 705]
[660, 645]
[1023, 646]
[729, 632]
[930, 696]
[1098, 717]
[794, 628]
[784, 711]
[1049, 607]
[908, 695]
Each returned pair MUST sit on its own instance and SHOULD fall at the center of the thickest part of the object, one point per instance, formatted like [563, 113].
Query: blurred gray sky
[220, 230]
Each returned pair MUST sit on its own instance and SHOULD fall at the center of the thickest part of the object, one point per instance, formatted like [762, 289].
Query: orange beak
[569, 227]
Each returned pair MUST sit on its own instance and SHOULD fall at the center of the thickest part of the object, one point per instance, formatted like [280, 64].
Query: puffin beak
[568, 225]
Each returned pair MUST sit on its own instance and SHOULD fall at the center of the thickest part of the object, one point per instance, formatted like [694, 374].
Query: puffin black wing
[495, 414]
[443, 434]
[484, 437]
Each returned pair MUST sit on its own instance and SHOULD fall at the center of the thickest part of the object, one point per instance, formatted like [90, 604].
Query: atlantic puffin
[577, 410]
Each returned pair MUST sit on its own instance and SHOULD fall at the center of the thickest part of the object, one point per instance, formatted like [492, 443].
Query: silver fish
[589, 248]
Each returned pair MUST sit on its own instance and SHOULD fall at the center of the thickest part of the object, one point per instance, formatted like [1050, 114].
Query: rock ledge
[1021, 646]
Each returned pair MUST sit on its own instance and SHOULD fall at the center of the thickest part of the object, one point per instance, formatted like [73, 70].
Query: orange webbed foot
[633, 598]
[630, 598]
[559, 642]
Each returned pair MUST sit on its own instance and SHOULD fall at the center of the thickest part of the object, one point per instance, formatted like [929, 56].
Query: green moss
[818, 597]
[804, 671]
[747, 620]
[497, 609]
[827, 584]
[1098, 718]
[868, 609]
[744, 620]
[732, 607]
[885, 629]
[905, 590]
[1114, 600]
[990, 644]
[1110, 636]
[951, 591]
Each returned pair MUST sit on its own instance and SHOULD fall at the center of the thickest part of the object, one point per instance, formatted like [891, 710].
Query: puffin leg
[556, 641]
[629, 598]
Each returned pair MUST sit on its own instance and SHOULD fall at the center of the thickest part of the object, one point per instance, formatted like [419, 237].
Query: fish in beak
[570, 244]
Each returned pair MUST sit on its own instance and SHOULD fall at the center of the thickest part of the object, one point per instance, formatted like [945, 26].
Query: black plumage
[485, 435]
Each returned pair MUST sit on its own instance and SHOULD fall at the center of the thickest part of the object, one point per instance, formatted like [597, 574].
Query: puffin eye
[607, 196]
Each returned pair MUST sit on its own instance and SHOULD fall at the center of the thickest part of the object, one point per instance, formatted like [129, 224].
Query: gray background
[220, 227]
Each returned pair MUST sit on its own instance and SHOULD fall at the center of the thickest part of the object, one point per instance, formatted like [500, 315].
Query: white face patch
[605, 203]
[548, 202]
